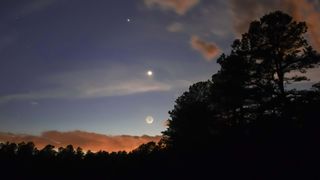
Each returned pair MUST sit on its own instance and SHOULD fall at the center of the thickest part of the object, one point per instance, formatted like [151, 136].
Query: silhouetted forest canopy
[247, 121]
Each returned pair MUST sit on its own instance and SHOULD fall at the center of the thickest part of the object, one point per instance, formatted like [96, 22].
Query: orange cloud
[208, 50]
[85, 140]
[301, 10]
[179, 6]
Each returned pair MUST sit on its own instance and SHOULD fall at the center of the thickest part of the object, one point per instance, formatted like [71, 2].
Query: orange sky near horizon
[86, 140]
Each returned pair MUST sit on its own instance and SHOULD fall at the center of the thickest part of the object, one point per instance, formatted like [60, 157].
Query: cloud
[301, 10]
[29, 96]
[91, 91]
[86, 140]
[207, 49]
[179, 6]
[105, 80]
[175, 27]
[304, 10]
[125, 88]
[93, 83]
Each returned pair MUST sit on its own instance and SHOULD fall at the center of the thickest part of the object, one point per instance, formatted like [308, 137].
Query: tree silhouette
[26, 150]
[67, 153]
[8, 150]
[79, 153]
[248, 95]
[190, 117]
[277, 46]
[47, 153]
[145, 148]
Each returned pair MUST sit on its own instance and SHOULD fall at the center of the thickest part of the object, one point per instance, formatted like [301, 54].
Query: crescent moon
[149, 119]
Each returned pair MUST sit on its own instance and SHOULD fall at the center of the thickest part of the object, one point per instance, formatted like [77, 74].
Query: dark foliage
[243, 123]
[247, 99]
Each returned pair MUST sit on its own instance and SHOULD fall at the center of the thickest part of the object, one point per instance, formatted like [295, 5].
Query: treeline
[24, 160]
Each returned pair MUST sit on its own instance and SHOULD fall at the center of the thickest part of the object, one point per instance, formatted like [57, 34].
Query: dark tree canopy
[249, 91]
[276, 46]
[183, 116]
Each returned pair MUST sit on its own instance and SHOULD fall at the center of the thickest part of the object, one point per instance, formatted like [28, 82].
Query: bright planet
[149, 73]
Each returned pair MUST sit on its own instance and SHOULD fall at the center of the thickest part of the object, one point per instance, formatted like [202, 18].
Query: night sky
[83, 65]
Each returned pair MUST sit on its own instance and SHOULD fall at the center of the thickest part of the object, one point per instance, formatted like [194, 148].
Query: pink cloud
[208, 50]
[179, 6]
[303, 10]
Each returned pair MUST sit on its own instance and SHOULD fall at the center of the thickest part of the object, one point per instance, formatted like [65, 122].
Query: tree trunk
[280, 73]
[281, 83]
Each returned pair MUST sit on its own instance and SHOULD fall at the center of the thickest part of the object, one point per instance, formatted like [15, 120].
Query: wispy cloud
[101, 82]
[87, 90]
[86, 140]
[208, 50]
[125, 88]
[304, 10]
[178, 6]
[31, 96]
[107, 90]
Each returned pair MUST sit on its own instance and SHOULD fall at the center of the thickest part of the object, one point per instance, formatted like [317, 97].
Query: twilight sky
[82, 65]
